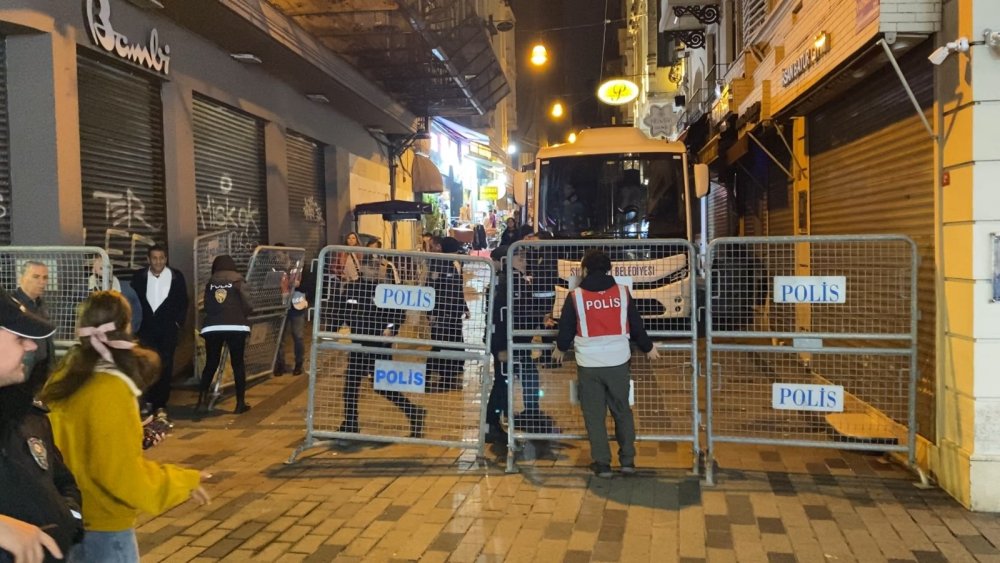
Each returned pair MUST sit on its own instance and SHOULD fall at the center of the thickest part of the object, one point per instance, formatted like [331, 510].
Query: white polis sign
[407, 377]
[810, 289]
[803, 397]
[408, 297]
[152, 56]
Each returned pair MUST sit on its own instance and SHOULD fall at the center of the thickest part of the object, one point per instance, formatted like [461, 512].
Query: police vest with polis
[599, 318]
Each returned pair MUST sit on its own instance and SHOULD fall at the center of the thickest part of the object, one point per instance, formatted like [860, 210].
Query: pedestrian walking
[227, 308]
[598, 319]
[163, 296]
[92, 395]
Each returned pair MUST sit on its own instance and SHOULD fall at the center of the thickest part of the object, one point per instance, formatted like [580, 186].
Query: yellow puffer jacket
[99, 433]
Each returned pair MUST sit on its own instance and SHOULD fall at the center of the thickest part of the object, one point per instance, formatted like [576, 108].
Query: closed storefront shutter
[230, 181]
[121, 160]
[306, 194]
[872, 171]
[5, 203]
[719, 212]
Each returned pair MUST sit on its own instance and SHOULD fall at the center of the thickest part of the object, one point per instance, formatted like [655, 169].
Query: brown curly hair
[141, 365]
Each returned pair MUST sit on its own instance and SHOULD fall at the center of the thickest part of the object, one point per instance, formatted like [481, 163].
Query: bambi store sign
[152, 55]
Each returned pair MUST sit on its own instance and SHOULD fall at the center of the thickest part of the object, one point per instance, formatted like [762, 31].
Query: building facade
[829, 118]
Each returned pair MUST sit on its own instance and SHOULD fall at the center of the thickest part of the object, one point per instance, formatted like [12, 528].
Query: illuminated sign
[153, 56]
[807, 60]
[617, 91]
[488, 192]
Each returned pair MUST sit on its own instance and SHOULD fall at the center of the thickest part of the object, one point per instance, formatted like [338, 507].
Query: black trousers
[236, 342]
[158, 394]
[360, 365]
[446, 329]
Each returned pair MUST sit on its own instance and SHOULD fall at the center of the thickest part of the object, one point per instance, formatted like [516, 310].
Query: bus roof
[611, 140]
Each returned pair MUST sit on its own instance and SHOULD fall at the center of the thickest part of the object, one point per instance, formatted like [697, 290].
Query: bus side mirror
[701, 183]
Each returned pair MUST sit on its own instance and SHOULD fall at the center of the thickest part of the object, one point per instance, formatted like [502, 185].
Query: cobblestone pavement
[378, 502]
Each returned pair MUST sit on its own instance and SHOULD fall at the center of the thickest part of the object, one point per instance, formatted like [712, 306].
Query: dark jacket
[227, 302]
[170, 316]
[599, 282]
[307, 286]
[502, 313]
[35, 485]
[357, 310]
[449, 287]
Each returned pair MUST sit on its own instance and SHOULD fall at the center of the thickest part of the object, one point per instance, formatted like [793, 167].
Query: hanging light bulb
[557, 110]
[539, 55]
[571, 138]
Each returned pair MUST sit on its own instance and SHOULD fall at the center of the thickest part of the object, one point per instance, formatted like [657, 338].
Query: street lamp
[557, 110]
[539, 55]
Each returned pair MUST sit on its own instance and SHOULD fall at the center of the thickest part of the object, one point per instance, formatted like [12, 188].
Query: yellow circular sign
[617, 91]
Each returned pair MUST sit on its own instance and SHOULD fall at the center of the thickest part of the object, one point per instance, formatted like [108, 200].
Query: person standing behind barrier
[598, 319]
[33, 282]
[295, 323]
[227, 308]
[532, 417]
[365, 318]
[347, 266]
[445, 277]
[163, 295]
[36, 488]
[95, 283]
[96, 425]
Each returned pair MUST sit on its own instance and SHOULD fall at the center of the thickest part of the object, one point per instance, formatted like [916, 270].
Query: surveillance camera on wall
[960, 45]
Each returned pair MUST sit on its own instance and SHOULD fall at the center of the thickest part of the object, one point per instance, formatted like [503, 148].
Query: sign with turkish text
[810, 289]
[152, 55]
[803, 397]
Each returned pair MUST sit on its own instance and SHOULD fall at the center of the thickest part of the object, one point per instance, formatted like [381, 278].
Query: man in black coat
[163, 294]
[39, 499]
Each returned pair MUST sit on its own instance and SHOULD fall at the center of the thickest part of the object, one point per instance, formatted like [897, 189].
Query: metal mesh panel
[273, 273]
[813, 316]
[71, 279]
[400, 346]
[538, 277]
[206, 248]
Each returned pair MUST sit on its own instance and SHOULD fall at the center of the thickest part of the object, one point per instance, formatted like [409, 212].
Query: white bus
[616, 182]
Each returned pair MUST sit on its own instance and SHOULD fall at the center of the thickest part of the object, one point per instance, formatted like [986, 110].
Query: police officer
[598, 319]
[365, 318]
[36, 488]
[445, 276]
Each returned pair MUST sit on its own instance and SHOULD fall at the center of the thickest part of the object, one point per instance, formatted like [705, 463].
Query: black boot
[297, 370]
[203, 401]
[241, 407]
[417, 416]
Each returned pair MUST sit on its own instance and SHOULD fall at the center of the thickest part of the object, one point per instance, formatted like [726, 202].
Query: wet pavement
[405, 502]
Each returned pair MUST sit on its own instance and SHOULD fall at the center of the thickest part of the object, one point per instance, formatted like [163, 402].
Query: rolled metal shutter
[121, 161]
[718, 212]
[230, 180]
[5, 191]
[306, 194]
[872, 171]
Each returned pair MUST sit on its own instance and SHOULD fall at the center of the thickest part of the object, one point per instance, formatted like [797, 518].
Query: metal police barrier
[812, 342]
[73, 274]
[273, 272]
[541, 398]
[400, 348]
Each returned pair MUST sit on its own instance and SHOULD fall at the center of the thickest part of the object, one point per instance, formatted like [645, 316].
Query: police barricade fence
[73, 273]
[542, 401]
[272, 275]
[400, 347]
[811, 341]
[206, 248]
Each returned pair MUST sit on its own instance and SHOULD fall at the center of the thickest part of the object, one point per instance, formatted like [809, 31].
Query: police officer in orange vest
[598, 320]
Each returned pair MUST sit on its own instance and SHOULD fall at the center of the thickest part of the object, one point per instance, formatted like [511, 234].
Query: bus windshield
[613, 196]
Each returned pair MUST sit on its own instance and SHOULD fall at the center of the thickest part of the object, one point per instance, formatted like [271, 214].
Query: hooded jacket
[227, 299]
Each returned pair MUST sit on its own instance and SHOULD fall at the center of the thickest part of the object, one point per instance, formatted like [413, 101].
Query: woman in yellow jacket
[95, 420]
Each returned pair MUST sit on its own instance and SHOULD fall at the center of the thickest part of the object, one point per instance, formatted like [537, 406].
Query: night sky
[574, 68]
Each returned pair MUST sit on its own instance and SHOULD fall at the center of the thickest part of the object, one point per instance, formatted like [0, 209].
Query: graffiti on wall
[224, 212]
[127, 233]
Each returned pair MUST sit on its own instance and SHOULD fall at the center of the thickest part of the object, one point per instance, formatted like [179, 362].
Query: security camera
[939, 55]
[960, 45]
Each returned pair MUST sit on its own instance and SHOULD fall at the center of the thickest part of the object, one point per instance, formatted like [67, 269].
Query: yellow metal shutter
[872, 172]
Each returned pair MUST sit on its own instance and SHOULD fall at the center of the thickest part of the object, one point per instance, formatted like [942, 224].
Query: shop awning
[394, 210]
[426, 176]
